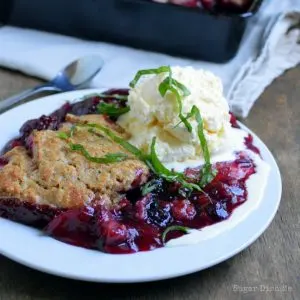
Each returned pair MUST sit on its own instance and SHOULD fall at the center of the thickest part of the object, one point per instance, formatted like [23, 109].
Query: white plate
[29, 247]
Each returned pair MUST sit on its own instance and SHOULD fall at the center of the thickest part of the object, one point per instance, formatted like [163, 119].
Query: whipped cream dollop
[153, 115]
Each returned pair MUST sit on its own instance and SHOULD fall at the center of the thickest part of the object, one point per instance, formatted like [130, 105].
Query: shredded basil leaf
[72, 131]
[171, 82]
[207, 174]
[129, 147]
[168, 84]
[157, 165]
[111, 110]
[181, 116]
[114, 96]
[152, 185]
[139, 74]
[106, 96]
[164, 86]
[151, 160]
[174, 228]
[159, 169]
[186, 92]
[63, 135]
[106, 159]
[185, 192]
[172, 85]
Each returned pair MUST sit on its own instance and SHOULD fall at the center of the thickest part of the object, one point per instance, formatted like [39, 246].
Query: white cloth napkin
[267, 50]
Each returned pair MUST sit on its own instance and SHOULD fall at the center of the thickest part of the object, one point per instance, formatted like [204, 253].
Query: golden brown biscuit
[55, 175]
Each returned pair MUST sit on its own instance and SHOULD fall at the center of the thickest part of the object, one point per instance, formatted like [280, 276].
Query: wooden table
[273, 261]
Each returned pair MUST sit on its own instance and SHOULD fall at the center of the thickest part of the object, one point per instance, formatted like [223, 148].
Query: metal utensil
[77, 74]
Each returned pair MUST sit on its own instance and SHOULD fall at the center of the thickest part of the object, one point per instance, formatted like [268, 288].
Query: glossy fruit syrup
[216, 6]
[138, 221]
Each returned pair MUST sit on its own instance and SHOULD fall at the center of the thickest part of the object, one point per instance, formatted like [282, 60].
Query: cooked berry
[74, 227]
[223, 6]
[3, 162]
[249, 144]
[152, 211]
[233, 121]
[159, 213]
[218, 211]
[183, 210]
[109, 230]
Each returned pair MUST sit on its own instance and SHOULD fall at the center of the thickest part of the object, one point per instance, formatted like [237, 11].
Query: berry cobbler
[163, 163]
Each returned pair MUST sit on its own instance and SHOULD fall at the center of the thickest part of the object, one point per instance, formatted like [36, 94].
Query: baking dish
[171, 29]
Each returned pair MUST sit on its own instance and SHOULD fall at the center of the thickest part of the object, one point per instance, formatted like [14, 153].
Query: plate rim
[77, 95]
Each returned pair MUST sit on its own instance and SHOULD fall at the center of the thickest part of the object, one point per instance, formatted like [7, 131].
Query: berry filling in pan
[134, 169]
[216, 6]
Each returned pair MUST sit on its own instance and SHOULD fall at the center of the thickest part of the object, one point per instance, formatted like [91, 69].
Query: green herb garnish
[63, 135]
[151, 186]
[172, 85]
[106, 159]
[174, 228]
[139, 74]
[152, 160]
[207, 174]
[72, 131]
[129, 147]
[186, 92]
[106, 96]
[111, 110]
[114, 96]
[169, 84]
[159, 169]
